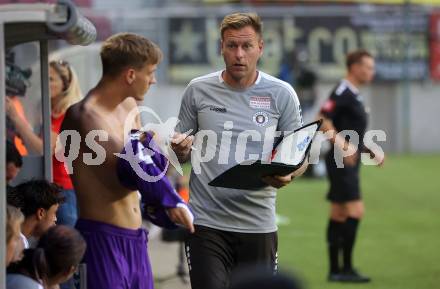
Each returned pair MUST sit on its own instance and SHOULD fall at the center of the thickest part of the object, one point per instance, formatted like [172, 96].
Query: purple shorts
[116, 257]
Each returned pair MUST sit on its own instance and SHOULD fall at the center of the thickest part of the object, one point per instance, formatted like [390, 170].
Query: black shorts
[213, 255]
[344, 182]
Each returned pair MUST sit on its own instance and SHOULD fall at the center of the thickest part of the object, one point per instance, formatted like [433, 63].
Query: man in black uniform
[344, 110]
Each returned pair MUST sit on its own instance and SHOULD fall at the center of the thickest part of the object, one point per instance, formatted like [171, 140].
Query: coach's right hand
[181, 144]
[181, 216]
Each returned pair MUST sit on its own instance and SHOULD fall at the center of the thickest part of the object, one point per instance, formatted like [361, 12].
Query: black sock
[350, 229]
[334, 236]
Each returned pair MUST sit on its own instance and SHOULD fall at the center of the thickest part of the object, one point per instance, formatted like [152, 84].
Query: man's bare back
[100, 195]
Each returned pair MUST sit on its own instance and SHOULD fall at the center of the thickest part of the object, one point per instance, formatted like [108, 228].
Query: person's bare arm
[340, 142]
[379, 159]
[181, 145]
[32, 141]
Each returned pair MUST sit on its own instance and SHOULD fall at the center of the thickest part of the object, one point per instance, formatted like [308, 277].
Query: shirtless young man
[109, 213]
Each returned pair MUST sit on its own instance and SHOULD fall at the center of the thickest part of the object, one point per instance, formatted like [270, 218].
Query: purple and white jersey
[142, 167]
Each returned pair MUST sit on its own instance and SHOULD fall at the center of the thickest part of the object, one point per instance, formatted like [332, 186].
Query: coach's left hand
[278, 181]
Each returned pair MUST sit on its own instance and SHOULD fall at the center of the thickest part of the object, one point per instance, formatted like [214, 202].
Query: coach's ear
[261, 46]
[130, 76]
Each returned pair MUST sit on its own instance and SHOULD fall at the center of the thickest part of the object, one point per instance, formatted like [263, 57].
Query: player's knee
[357, 215]
[357, 211]
[361, 212]
[338, 214]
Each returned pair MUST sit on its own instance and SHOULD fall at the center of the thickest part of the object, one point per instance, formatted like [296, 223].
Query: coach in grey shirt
[234, 115]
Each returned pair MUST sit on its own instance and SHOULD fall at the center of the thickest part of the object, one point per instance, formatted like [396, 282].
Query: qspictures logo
[208, 145]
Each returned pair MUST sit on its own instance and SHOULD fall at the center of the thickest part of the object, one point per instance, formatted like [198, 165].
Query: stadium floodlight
[77, 30]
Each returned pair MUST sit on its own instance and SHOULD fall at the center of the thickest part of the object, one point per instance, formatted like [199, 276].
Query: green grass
[398, 243]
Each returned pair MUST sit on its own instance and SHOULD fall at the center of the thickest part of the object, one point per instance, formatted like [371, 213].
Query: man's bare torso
[101, 197]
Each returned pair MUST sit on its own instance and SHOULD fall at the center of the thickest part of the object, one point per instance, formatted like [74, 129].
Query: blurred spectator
[19, 130]
[287, 68]
[14, 162]
[16, 84]
[14, 219]
[38, 200]
[295, 71]
[53, 261]
[65, 91]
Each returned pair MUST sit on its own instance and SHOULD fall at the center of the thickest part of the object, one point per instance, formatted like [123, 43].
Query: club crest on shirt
[260, 118]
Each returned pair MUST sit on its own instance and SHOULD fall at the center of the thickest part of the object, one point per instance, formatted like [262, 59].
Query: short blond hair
[124, 50]
[14, 217]
[241, 20]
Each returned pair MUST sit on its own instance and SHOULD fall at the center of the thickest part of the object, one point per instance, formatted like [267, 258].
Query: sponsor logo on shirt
[260, 118]
[260, 102]
[302, 145]
[218, 109]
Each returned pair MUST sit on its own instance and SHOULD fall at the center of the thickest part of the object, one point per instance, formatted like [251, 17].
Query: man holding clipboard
[234, 227]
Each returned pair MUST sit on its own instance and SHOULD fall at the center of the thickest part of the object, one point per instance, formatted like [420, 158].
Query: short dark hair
[124, 50]
[35, 194]
[356, 57]
[12, 155]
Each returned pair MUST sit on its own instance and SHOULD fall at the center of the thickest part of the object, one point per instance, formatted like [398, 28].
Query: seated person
[38, 200]
[14, 218]
[53, 261]
[64, 91]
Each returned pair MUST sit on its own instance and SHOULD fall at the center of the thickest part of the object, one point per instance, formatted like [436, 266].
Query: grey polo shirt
[230, 126]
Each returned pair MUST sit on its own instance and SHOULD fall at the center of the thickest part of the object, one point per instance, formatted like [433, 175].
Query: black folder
[288, 155]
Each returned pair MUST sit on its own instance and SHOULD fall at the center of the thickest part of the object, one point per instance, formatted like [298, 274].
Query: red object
[328, 106]
[274, 152]
[434, 30]
[103, 26]
[25, 1]
[83, 3]
[19, 144]
[60, 176]
[80, 3]
[184, 193]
